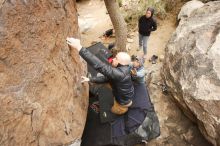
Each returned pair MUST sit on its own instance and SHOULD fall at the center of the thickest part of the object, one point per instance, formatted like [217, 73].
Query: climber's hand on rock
[84, 79]
[75, 43]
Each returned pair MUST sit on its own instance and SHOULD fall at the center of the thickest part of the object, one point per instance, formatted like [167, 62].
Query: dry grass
[135, 9]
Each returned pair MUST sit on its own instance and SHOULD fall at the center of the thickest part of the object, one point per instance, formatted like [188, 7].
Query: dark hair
[134, 57]
[137, 58]
[152, 10]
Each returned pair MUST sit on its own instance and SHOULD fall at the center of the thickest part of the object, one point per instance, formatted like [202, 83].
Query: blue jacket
[140, 76]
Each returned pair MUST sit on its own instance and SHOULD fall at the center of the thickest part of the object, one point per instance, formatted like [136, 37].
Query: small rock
[130, 40]
[130, 35]
[188, 136]
[128, 47]
[94, 42]
[161, 58]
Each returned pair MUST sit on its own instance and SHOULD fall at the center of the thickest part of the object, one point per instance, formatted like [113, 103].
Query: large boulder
[188, 8]
[42, 101]
[192, 69]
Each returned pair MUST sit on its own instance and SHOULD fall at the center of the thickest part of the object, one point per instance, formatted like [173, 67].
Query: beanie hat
[152, 11]
[140, 60]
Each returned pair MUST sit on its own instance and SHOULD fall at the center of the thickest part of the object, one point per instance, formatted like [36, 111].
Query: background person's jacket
[119, 77]
[146, 25]
[139, 78]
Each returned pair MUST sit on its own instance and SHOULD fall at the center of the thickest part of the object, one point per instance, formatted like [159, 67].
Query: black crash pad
[95, 133]
[100, 130]
[106, 101]
[100, 51]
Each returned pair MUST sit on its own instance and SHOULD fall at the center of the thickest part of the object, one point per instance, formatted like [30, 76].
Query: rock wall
[192, 69]
[176, 129]
[42, 101]
[188, 8]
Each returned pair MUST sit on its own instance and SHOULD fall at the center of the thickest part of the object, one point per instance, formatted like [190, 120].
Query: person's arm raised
[93, 61]
[104, 68]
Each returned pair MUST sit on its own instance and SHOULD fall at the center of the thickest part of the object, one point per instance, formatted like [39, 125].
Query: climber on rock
[117, 74]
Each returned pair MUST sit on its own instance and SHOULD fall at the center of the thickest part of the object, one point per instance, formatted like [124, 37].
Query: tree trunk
[118, 23]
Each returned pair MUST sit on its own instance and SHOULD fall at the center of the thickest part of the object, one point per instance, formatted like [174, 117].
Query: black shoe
[154, 59]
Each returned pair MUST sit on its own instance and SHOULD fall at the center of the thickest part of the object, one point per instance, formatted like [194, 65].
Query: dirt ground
[94, 21]
[176, 129]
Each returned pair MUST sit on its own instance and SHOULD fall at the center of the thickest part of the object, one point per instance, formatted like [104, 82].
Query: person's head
[138, 61]
[149, 12]
[121, 58]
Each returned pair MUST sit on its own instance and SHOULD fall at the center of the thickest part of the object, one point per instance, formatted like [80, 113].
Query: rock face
[42, 101]
[188, 8]
[192, 69]
[176, 129]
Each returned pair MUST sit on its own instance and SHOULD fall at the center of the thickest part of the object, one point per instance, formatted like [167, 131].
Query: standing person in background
[146, 24]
